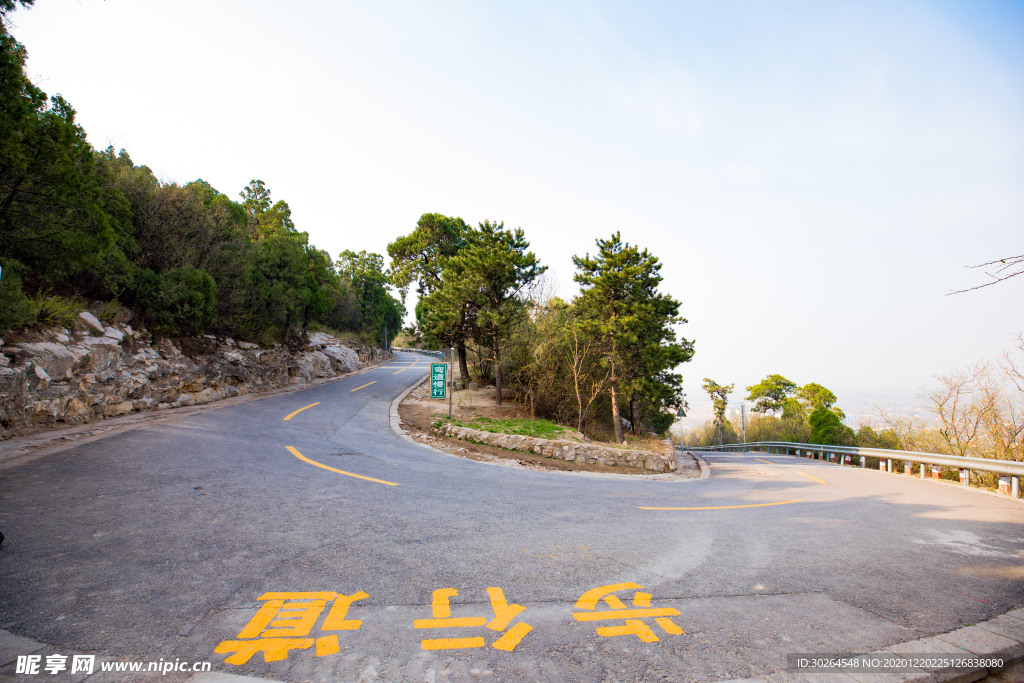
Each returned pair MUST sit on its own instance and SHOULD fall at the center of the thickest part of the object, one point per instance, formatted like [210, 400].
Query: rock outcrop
[570, 451]
[76, 376]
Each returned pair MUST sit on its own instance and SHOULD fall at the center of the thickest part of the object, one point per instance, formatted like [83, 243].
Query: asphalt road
[164, 541]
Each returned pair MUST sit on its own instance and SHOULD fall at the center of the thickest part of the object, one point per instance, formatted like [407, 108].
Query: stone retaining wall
[570, 451]
[98, 371]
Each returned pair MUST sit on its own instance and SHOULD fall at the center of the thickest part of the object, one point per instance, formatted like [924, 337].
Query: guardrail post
[924, 466]
[965, 477]
[863, 461]
[888, 465]
[1015, 487]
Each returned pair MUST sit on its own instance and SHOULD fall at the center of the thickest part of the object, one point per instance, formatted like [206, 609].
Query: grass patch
[541, 429]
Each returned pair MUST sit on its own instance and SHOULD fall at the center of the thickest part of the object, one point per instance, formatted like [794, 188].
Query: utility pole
[386, 354]
[451, 380]
[743, 420]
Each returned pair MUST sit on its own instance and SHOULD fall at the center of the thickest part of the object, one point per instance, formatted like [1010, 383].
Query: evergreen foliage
[771, 393]
[85, 225]
[620, 304]
[827, 429]
[572, 361]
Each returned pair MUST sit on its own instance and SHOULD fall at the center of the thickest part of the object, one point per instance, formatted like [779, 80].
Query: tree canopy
[816, 396]
[88, 225]
[770, 393]
[620, 305]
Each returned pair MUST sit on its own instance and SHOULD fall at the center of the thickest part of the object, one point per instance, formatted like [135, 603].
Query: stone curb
[396, 427]
[396, 421]
[705, 471]
[569, 451]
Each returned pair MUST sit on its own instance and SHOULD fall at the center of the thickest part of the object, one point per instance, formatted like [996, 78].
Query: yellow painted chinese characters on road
[284, 623]
[633, 624]
[504, 613]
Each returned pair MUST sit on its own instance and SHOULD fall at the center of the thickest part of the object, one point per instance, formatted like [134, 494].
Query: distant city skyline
[815, 177]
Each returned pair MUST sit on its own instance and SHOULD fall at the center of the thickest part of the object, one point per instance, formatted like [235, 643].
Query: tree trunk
[463, 367]
[497, 372]
[616, 418]
[635, 415]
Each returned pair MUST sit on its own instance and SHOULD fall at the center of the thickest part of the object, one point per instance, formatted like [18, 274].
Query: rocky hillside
[97, 371]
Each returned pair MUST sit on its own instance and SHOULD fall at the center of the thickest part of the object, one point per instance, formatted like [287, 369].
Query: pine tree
[620, 304]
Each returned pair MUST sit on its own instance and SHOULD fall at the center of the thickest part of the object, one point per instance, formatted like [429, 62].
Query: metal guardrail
[1009, 468]
[436, 354]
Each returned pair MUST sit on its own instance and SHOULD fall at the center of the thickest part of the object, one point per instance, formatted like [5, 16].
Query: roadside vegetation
[600, 364]
[81, 227]
[975, 411]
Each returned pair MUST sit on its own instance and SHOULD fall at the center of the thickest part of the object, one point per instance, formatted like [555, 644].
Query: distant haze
[815, 176]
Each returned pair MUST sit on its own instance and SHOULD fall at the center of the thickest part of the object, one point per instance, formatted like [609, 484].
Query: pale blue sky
[815, 175]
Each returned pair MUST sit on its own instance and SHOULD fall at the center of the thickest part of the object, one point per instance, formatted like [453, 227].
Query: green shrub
[57, 310]
[178, 301]
[109, 311]
[16, 309]
[828, 429]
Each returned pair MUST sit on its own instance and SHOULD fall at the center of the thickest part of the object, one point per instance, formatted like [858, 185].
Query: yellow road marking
[301, 409]
[770, 463]
[440, 604]
[814, 478]
[365, 385]
[449, 622]
[402, 370]
[303, 458]
[670, 626]
[733, 507]
[504, 613]
[512, 637]
[625, 614]
[451, 643]
[590, 599]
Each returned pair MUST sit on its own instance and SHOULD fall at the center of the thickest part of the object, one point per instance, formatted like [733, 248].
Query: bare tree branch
[1002, 265]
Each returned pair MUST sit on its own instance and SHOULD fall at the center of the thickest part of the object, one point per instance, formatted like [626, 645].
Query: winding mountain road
[299, 538]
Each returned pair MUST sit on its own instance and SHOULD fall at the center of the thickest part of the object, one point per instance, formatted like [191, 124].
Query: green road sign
[438, 380]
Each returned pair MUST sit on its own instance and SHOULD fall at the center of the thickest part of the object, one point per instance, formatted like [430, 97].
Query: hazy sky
[814, 175]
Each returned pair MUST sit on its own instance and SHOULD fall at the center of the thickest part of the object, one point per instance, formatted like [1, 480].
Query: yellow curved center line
[290, 416]
[814, 478]
[365, 385]
[731, 507]
[303, 458]
[402, 370]
[770, 463]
